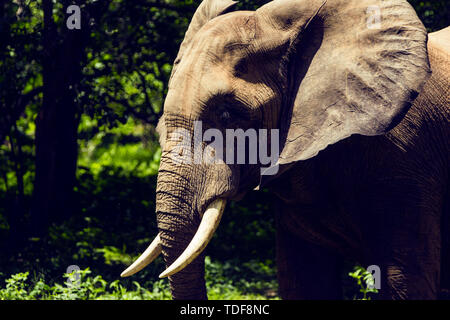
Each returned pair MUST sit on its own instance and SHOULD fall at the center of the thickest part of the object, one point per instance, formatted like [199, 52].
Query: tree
[111, 68]
[57, 121]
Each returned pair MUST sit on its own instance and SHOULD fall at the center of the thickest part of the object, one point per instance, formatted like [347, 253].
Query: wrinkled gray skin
[314, 70]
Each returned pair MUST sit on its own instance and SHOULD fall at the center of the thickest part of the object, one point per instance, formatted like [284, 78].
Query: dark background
[79, 154]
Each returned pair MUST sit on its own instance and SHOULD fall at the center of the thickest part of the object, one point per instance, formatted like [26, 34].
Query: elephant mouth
[209, 222]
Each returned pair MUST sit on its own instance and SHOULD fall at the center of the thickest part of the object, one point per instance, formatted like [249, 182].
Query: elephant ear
[352, 67]
[206, 11]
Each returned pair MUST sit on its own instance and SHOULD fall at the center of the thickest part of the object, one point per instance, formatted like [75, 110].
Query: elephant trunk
[189, 205]
[184, 231]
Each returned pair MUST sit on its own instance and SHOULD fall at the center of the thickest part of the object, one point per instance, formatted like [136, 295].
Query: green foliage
[434, 14]
[234, 280]
[365, 282]
[225, 281]
[132, 147]
[89, 287]
[15, 287]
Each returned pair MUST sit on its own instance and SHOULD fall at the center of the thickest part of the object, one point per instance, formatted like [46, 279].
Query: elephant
[360, 106]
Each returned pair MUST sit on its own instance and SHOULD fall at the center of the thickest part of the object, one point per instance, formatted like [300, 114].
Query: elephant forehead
[208, 66]
[194, 87]
[202, 73]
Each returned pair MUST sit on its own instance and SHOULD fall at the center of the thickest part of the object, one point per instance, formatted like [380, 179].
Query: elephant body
[362, 174]
[380, 200]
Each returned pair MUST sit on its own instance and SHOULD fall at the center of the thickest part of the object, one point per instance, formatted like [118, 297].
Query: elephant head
[317, 71]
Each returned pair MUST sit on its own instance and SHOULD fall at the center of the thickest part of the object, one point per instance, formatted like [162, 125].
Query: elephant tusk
[210, 222]
[150, 254]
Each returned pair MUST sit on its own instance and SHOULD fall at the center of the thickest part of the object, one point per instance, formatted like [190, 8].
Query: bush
[85, 286]
[365, 282]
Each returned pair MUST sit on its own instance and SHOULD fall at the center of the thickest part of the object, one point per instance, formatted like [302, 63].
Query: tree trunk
[57, 124]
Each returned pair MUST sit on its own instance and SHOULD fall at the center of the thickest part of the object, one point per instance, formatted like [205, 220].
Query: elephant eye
[230, 113]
